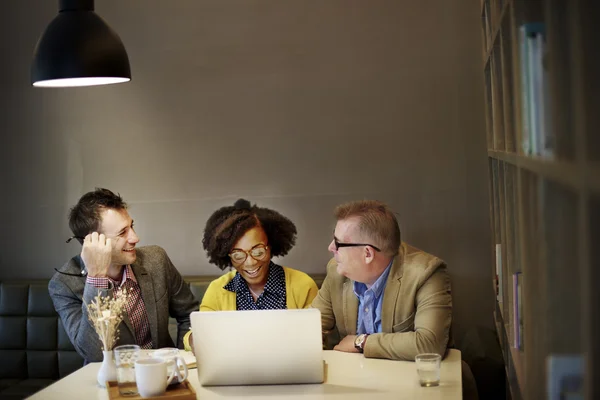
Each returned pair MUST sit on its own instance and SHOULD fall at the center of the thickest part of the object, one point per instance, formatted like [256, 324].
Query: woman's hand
[191, 342]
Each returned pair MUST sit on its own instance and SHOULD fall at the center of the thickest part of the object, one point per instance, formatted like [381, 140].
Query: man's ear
[369, 254]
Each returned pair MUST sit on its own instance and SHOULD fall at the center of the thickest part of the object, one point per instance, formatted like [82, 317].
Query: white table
[349, 376]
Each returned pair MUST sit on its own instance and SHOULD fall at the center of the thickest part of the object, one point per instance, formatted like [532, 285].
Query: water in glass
[125, 358]
[428, 369]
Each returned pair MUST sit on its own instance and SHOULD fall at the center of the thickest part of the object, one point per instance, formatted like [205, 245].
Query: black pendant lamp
[78, 48]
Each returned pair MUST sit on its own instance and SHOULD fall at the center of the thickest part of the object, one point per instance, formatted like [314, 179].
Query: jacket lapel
[350, 308]
[391, 292]
[128, 324]
[147, 289]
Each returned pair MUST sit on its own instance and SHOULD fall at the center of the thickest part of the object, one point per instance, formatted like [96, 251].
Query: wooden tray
[180, 391]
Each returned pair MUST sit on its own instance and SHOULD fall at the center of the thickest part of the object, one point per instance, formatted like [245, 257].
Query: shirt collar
[127, 274]
[275, 280]
[377, 288]
[236, 283]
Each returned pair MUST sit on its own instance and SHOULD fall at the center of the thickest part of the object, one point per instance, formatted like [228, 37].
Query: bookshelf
[543, 139]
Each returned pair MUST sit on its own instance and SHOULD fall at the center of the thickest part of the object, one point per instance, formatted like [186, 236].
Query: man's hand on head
[96, 254]
[347, 345]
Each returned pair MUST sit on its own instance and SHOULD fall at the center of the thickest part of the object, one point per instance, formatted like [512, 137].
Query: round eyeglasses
[259, 252]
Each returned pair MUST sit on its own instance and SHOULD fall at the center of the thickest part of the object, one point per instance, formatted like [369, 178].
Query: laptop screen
[258, 347]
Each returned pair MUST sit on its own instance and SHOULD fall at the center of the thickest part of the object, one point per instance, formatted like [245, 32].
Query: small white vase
[108, 369]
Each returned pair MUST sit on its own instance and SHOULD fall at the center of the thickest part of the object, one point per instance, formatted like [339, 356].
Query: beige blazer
[416, 310]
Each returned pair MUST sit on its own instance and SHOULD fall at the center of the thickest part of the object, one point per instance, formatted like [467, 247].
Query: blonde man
[386, 298]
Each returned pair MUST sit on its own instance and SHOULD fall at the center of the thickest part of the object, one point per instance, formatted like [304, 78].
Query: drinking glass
[428, 369]
[125, 358]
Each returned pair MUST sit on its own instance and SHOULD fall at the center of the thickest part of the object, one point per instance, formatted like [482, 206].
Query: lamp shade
[78, 48]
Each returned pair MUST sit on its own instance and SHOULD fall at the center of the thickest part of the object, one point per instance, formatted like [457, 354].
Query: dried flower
[105, 314]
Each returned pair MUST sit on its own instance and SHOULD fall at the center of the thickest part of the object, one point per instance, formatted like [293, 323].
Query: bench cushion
[34, 347]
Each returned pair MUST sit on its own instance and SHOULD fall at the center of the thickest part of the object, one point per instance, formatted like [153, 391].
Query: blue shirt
[370, 302]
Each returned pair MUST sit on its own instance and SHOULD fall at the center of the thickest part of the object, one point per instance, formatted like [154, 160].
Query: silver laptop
[258, 347]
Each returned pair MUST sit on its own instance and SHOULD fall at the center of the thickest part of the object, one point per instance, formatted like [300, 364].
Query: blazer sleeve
[311, 294]
[433, 317]
[322, 301]
[74, 316]
[181, 301]
[302, 288]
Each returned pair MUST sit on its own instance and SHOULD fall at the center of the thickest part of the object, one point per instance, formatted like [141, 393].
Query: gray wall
[295, 105]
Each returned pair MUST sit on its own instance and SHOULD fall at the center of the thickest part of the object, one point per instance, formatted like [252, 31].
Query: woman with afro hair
[245, 237]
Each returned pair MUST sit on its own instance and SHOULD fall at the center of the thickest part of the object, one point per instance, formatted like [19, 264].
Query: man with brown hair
[386, 298]
[110, 261]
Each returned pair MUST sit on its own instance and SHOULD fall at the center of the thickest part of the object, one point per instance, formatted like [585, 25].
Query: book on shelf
[536, 129]
[494, 109]
[499, 280]
[517, 322]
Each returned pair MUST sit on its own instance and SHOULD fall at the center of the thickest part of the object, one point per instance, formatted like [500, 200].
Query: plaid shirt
[136, 309]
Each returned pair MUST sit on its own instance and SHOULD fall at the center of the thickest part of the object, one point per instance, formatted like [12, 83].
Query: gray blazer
[163, 290]
[416, 310]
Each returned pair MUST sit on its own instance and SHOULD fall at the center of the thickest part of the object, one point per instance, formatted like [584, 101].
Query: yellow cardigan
[300, 290]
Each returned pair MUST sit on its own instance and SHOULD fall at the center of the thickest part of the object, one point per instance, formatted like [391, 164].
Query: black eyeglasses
[83, 272]
[74, 237]
[340, 244]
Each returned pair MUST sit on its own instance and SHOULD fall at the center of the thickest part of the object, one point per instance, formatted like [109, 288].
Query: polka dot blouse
[273, 298]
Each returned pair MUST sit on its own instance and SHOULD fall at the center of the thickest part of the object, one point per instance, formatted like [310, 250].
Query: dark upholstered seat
[34, 348]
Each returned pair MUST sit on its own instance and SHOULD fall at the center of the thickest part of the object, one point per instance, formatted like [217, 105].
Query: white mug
[151, 377]
[174, 362]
